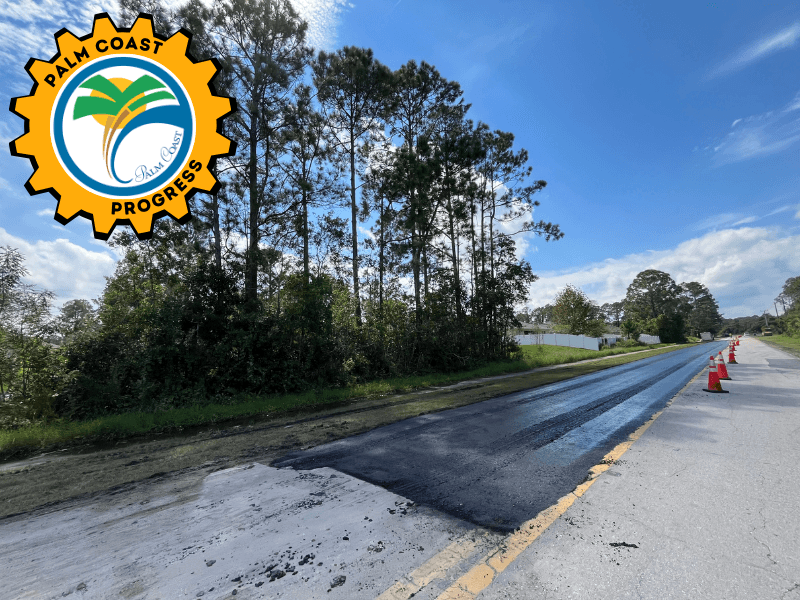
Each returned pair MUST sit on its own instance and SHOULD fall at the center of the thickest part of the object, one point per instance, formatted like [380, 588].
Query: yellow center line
[434, 568]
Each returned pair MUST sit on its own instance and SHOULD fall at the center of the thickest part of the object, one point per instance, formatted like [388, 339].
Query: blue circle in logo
[179, 116]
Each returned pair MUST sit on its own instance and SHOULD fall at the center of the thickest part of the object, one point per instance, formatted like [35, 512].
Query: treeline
[365, 228]
[788, 323]
[654, 304]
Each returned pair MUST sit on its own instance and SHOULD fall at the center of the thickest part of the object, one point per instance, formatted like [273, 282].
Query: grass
[784, 342]
[59, 433]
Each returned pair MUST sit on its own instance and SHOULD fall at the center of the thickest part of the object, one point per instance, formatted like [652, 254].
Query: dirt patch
[43, 481]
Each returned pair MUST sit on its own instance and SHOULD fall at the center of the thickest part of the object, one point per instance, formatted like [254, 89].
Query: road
[499, 462]
[453, 487]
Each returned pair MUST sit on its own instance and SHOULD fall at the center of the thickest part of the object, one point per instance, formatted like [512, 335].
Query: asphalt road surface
[498, 463]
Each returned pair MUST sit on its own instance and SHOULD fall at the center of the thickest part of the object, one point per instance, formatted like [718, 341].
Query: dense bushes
[197, 341]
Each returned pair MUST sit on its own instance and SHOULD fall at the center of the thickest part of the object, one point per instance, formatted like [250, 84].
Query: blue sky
[669, 134]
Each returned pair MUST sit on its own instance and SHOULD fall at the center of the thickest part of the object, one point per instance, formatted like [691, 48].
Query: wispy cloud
[743, 268]
[728, 220]
[782, 40]
[758, 135]
[782, 209]
[27, 26]
[322, 17]
[794, 104]
[720, 221]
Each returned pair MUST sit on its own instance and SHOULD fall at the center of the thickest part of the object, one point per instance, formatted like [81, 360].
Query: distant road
[499, 462]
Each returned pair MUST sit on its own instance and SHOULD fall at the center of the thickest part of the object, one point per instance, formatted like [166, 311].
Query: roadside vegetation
[784, 328]
[785, 322]
[362, 243]
[365, 230]
[654, 305]
[62, 433]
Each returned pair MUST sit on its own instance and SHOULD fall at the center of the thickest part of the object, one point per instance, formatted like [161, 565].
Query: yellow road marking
[434, 568]
[479, 577]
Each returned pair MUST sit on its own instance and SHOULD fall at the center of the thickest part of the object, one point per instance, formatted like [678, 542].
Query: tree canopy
[576, 314]
[364, 228]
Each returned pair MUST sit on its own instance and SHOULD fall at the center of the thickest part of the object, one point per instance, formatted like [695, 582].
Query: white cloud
[745, 220]
[322, 17]
[46, 212]
[6, 133]
[743, 268]
[715, 221]
[786, 38]
[27, 26]
[782, 209]
[63, 267]
[794, 104]
[366, 232]
[735, 122]
[758, 135]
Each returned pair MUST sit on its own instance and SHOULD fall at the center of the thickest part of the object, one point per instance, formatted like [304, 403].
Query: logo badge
[121, 126]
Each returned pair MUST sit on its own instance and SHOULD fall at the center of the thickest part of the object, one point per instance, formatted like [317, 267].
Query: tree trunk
[381, 249]
[424, 238]
[306, 274]
[251, 261]
[415, 260]
[217, 234]
[454, 255]
[492, 212]
[354, 216]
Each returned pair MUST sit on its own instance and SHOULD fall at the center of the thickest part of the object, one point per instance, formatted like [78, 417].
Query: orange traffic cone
[737, 340]
[722, 371]
[713, 379]
[732, 355]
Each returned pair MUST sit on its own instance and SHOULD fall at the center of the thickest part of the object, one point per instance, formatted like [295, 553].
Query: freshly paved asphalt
[500, 462]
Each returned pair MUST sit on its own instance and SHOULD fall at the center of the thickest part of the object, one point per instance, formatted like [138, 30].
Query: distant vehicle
[707, 336]
[766, 332]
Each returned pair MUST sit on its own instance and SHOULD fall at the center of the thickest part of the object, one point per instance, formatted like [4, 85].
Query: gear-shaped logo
[122, 126]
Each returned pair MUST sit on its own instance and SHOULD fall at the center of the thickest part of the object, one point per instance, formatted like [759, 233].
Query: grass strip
[61, 433]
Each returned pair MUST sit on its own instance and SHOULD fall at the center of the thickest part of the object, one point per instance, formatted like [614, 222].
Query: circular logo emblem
[121, 126]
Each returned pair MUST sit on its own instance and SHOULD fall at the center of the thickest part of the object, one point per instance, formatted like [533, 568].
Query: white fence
[576, 341]
[559, 339]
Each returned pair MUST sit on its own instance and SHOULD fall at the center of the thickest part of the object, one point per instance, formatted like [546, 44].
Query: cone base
[716, 391]
[725, 378]
[732, 362]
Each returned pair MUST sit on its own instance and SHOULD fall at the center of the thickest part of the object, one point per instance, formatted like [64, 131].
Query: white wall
[559, 339]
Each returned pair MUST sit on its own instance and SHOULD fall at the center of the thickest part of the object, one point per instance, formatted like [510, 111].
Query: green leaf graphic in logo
[115, 102]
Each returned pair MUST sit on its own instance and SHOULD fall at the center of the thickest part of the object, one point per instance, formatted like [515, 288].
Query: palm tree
[118, 103]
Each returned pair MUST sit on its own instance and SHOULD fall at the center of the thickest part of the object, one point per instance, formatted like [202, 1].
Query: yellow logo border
[50, 76]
